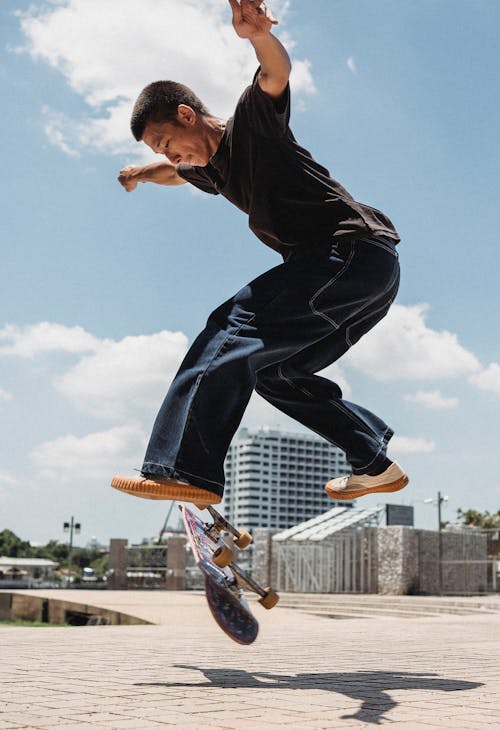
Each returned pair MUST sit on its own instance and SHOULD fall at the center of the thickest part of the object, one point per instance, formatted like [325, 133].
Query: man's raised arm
[253, 20]
[161, 173]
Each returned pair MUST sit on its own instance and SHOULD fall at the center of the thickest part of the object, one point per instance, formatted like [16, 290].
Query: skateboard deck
[224, 579]
[224, 593]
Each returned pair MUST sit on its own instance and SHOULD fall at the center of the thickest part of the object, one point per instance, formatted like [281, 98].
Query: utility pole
[440, 501]
[70, 527]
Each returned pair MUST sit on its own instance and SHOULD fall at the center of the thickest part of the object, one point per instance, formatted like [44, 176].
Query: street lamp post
[439, 502]
[70, 527]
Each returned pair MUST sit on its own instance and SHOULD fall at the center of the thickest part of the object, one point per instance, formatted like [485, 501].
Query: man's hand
[251, 18]
[129, 177]
[161, 173]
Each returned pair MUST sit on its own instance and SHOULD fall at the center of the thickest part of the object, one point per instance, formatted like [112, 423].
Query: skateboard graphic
[224, 579]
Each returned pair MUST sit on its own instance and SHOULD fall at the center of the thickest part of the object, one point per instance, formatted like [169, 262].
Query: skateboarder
[338, 277]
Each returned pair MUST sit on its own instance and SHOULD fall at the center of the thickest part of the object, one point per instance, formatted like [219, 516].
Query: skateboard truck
[241, 539]
[224, 556]
[268, 597]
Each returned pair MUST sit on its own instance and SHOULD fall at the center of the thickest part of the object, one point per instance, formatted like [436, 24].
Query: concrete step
[380, 597]
[365, 611]
[364, 605]
[375, 599]
[392, 608]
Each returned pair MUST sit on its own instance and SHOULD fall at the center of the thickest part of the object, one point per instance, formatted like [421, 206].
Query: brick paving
[303, 672]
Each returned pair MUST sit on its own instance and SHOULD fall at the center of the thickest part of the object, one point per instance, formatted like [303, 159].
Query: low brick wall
[14, 606]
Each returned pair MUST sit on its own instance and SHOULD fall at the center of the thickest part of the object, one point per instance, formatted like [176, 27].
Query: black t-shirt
[290, 199]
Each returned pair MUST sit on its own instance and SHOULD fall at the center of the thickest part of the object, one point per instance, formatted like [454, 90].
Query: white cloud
[94, 456]
[301, 78]
[108, 56]
[432, 399]
[400, 445]
[53, 126]
[44, 337]
[403, 347]
[121, 377]
[111, 379]
[488, 379]
[5, 395]
[8, 478]
[351, 65]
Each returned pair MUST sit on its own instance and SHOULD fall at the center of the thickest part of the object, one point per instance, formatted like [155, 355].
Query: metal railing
[342, 565]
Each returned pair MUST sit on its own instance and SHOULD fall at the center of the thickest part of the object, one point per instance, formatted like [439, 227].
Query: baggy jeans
[273, 336]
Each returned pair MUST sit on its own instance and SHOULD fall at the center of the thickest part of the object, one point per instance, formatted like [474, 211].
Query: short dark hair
[158, 102]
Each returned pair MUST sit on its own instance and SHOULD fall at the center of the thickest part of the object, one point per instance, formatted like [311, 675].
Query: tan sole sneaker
[357, 485]
[165, 489]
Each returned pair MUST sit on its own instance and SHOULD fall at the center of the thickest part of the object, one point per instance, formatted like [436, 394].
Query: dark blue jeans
[273, 336]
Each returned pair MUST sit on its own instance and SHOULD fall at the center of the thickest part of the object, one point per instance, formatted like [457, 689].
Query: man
[339, 276]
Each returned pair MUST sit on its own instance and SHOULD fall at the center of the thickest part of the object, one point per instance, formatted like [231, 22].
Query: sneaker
[356, 485]
[158, 487]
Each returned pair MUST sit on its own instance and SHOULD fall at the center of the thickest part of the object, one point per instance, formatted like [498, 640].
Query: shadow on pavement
[369, 688]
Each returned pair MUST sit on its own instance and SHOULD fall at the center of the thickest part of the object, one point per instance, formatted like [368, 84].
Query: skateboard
[224, 579]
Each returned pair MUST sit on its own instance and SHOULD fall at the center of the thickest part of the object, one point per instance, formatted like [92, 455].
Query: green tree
[100, 565]
[83, 557]
[53, 550]
[474, 518]
[13, 547]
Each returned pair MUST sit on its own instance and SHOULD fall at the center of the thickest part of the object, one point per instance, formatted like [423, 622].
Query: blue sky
[102, 290]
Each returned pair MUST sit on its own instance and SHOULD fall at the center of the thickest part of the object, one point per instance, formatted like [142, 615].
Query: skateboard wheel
[244, 540]
[270, 599]
[223, 556]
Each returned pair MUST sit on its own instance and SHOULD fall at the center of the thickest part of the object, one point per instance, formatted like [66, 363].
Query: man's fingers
[234, 6]
[254, 5]
[259, 6]
[250, 13]
[125, 178]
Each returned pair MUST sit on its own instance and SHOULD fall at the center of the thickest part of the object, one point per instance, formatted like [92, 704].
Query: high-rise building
[276, 479]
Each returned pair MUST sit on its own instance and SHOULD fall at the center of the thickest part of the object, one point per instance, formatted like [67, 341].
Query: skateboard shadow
[369, 688]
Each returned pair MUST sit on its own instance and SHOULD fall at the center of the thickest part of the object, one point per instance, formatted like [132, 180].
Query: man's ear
[186, 115]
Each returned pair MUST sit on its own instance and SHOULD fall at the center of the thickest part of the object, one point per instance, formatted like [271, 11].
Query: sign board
[398, 514]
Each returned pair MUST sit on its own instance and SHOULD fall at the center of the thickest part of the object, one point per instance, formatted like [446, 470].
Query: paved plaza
[303, 672]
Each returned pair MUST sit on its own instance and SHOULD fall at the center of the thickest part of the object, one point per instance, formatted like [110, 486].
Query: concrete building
[25, 572]
[276, 479]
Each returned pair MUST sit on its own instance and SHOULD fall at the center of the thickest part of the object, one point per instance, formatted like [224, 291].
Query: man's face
[182, 142]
